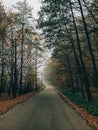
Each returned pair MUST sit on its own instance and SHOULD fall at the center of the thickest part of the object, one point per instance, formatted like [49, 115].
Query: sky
[34, 3]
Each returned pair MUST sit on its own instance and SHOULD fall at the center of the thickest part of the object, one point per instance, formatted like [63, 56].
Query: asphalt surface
[46, 111]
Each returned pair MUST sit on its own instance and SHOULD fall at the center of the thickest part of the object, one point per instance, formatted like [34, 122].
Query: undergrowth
[90, 107]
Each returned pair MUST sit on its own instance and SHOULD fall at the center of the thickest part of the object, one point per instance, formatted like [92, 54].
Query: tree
[58, 22]
[23, 16]
[3, 26]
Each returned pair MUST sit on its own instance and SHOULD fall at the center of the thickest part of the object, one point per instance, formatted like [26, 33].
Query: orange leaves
[90, 119]
[7, 104]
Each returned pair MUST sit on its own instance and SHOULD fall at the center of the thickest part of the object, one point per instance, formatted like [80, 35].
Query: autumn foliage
[90, 119]
[8, 104]
[20, 50]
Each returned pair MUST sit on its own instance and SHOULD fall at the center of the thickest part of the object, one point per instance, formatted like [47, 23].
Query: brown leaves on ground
[7, 104]
[90, 119]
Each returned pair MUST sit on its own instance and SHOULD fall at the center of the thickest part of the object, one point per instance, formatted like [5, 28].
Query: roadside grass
[90, 107]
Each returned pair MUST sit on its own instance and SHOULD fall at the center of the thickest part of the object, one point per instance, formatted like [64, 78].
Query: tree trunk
[76, 59]
[2, 64]
[36, 67]
[15, 71]
[21, 69]
[85, 76]
[71, 76]
[89, 43]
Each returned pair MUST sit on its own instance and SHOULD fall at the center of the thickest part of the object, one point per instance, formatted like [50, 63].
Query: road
[46, 111]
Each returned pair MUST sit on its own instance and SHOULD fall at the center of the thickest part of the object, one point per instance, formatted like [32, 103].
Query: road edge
[7, 105]
[90, 119]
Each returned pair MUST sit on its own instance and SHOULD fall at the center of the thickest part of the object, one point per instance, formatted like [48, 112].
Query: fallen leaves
[90, 119]
[7, 104]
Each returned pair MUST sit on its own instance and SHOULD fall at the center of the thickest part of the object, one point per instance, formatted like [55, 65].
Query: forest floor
[8, 103]
[89, 118]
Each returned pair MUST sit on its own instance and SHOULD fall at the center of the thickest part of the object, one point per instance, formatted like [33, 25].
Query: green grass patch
[90, 107]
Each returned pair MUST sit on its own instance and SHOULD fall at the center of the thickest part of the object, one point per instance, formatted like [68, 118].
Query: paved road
[46, 111]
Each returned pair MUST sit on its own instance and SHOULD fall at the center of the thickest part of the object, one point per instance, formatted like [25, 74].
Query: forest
[70, 28]
[20, 50]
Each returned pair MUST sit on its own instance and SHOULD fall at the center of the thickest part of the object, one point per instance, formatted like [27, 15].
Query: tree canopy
[69, 27]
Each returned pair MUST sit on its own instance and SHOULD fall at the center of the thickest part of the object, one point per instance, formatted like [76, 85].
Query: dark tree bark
[21, 69]
[2, 63]
[89, 44]
[15, 70]
[90, 12]
[77, 61]
[71, 75]
[85, 76]
[36, 53]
